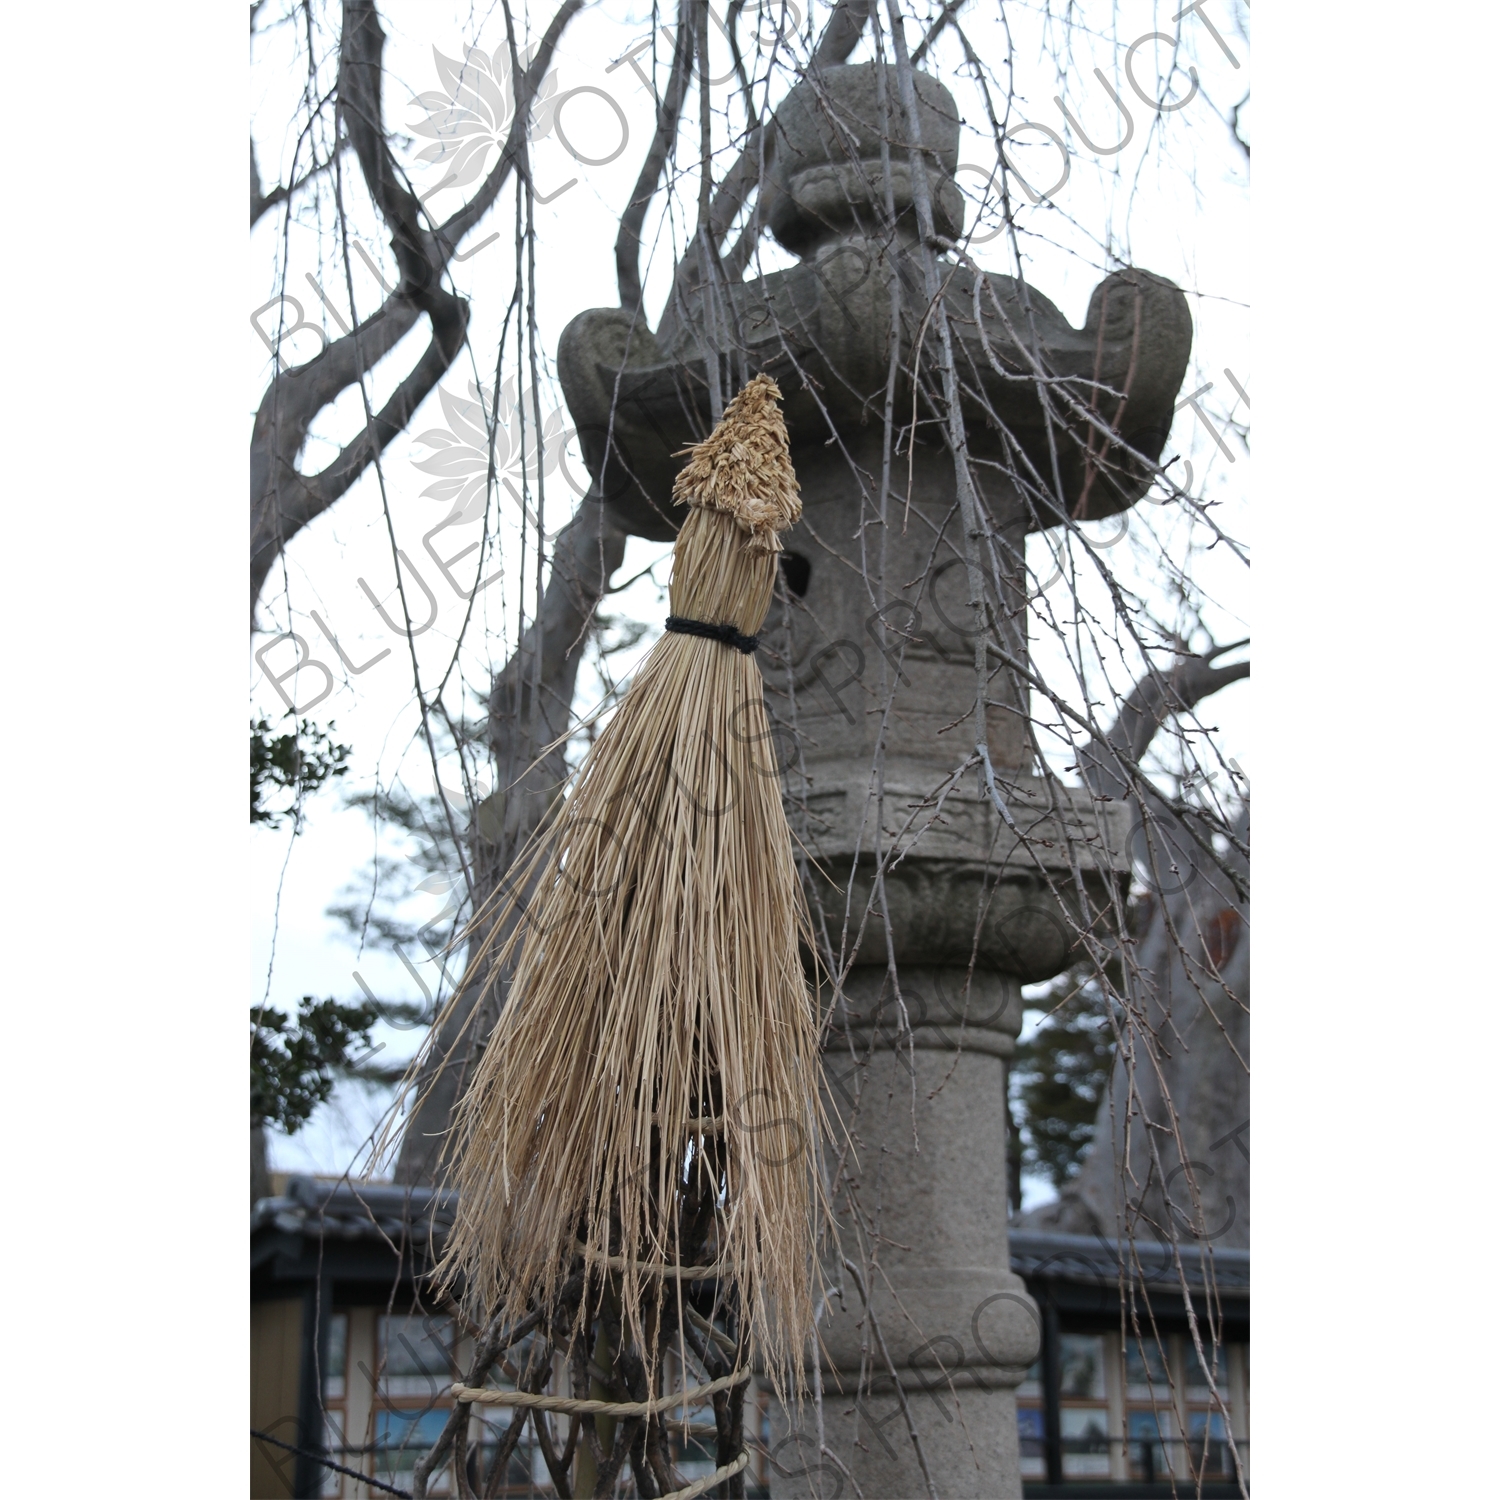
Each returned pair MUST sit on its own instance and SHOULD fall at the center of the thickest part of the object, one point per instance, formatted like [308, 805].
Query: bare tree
[954, 334]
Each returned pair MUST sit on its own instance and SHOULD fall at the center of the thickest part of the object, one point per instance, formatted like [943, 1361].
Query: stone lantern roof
[822, 329]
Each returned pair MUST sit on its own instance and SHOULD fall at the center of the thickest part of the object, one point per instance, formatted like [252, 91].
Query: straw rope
[702, 1124]
[651, 1267]
[702, 1486]
[575, 1406]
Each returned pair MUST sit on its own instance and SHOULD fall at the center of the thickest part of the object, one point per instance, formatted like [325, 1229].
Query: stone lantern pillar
[938, 915]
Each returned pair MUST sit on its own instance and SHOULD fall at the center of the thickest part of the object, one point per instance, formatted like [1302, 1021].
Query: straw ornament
[646, 1107]
[744, 468]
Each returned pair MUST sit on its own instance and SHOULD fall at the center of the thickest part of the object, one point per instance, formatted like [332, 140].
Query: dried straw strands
[649, 1096]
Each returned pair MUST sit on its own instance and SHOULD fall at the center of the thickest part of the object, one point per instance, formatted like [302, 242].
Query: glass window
[1146, 1447]
[1145, 1368]
[1208, 1445]
[333, 1369]
[697, 1458]
[415, 1358]
[525, 1467]
[1081, 1358]
[1032, 1385]
[1085, 1442]
[402, 1437]
[1196, 1378]
[1033, 1430]
[415, 1346]
[518, 1360]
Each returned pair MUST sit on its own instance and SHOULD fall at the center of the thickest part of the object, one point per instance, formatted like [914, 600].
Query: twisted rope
[702, 1486]
[651, 1268]
[575, 1406]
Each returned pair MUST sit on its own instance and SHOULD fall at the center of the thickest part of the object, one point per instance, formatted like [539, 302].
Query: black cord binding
[725, 634]
[328, 1463]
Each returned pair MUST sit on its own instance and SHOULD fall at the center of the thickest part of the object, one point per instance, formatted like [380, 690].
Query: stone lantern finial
[827, 176]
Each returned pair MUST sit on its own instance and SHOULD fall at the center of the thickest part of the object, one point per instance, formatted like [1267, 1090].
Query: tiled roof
[355, 1210]
[1148, 1262]
[394, 1213]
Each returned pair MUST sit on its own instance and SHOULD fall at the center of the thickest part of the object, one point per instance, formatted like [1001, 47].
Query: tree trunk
[260, 1172]
[1173, 1126]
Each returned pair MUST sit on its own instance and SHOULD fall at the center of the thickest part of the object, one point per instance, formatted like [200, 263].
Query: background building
[349, 1363]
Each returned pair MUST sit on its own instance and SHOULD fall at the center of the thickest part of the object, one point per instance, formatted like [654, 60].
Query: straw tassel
[649, 1095]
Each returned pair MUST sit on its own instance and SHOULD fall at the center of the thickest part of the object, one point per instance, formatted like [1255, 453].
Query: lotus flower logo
[471, 114]
[460, 457]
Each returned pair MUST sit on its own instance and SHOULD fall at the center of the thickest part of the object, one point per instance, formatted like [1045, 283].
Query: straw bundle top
[744, 468]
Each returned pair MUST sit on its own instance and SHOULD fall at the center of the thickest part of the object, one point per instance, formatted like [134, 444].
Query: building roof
[1094, 1261]
[355, 1229]
[352, 1210]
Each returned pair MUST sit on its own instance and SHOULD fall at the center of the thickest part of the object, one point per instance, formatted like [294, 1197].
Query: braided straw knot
[744, 467]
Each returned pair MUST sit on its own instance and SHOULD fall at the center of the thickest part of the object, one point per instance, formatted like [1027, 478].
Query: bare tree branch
[261, 203]
[934, 31]
[282, 499]
[668, 111]
[840, 37]
[1107, 763]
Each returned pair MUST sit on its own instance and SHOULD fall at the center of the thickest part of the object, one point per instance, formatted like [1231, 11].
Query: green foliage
[296, 764]
[1059, 1075]
[293, 1064]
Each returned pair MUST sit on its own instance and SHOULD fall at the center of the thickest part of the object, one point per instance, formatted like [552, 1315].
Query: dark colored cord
[328, 1463]
[725, 634]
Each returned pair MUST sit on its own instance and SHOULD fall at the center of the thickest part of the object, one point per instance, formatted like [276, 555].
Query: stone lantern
[936, 906]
